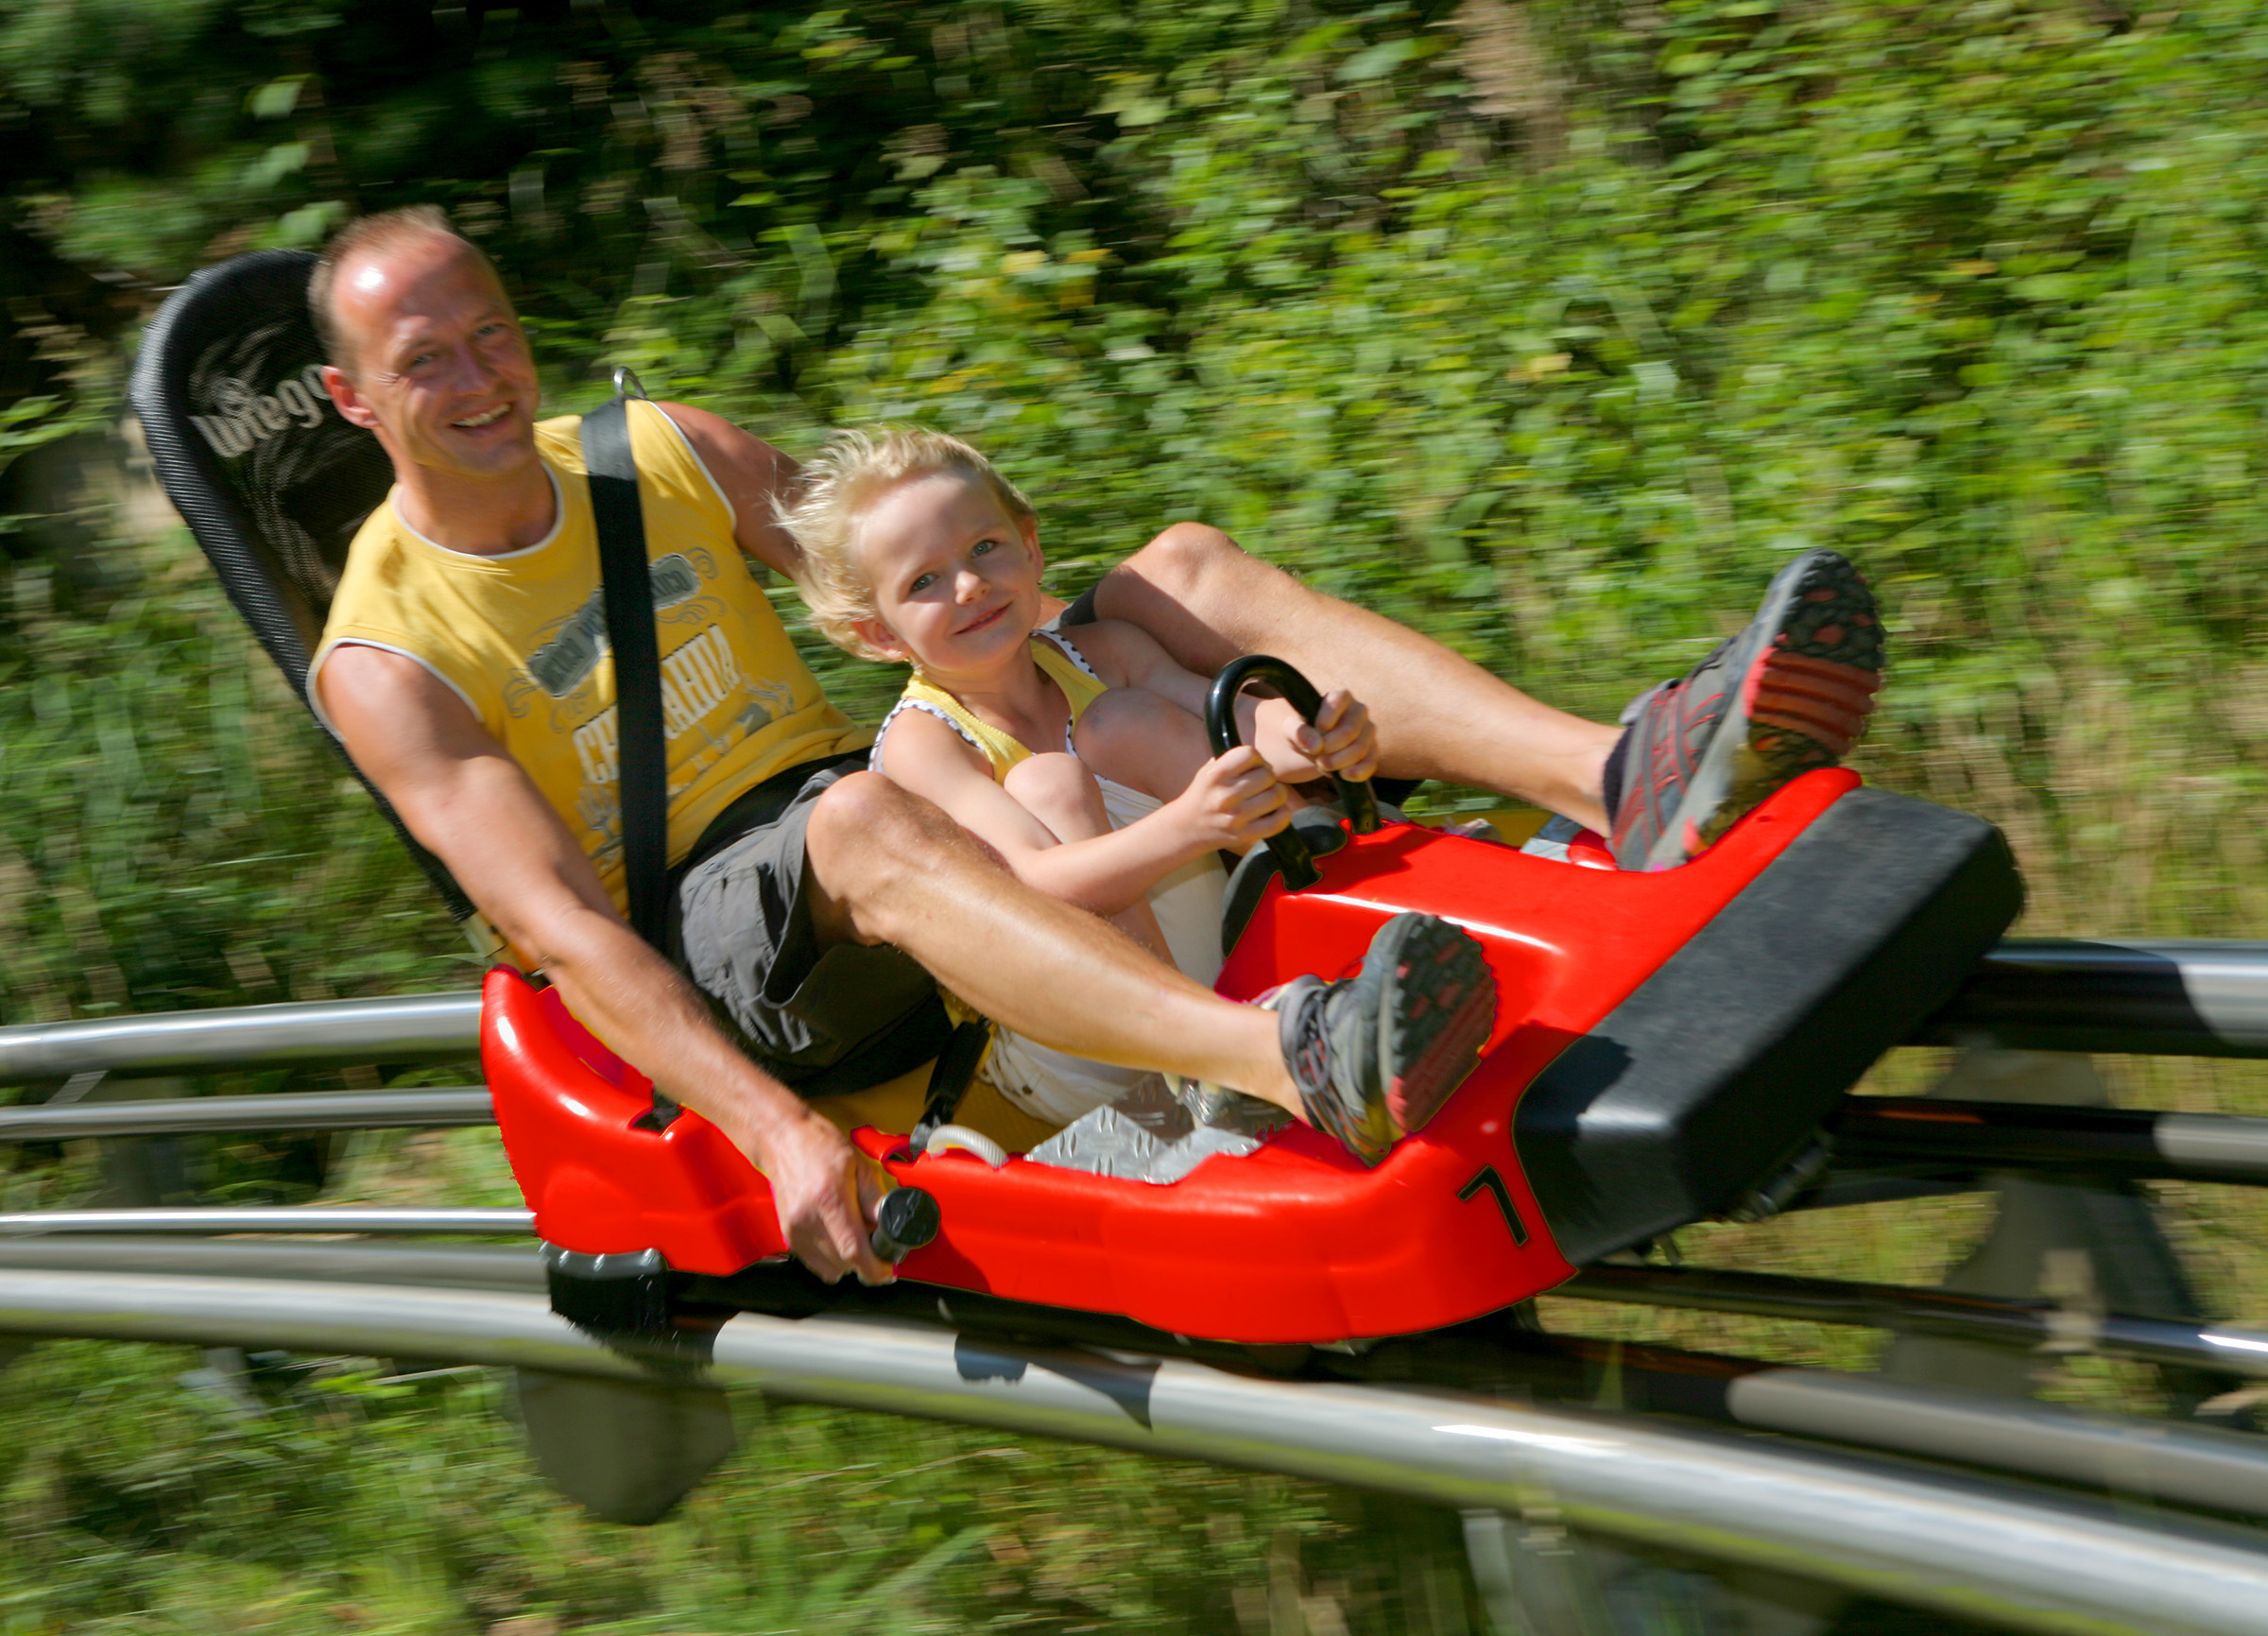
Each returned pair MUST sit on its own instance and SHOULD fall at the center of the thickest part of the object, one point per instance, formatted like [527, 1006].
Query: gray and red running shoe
[1376, 1055]
[1790, 693]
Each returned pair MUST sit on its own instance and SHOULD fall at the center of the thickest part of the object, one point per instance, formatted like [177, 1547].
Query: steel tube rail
[402, 1027]
[278, 1218]
[2136, 1459]
[2155, 1460]
[350, 1261]
[2157, 997]
[439, 1108]
[1972, 1136]
[2169, 998]
[1967, 1547]
[2026, 1323]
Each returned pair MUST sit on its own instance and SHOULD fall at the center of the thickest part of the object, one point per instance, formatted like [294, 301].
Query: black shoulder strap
[641, 760]
[640, 757]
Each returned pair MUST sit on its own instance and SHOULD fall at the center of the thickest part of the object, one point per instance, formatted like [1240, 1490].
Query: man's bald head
[364, 237]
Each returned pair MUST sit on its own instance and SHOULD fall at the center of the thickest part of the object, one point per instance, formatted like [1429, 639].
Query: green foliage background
[1548, 327]
[1551, 327]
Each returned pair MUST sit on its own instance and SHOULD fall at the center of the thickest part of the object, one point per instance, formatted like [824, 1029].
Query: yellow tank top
[1081, 687]
[522, 639]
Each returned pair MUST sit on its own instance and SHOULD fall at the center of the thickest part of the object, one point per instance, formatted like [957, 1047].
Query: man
[802, 881]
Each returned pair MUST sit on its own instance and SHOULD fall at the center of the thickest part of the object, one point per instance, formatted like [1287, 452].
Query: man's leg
[1438, 715]
[885, 866]
[1143, 741]
[1363, 1059]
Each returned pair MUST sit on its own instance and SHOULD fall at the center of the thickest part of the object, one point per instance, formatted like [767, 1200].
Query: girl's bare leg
[1061, 793]
[1143, 741]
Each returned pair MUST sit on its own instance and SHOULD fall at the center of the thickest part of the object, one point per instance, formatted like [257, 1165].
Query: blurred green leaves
[1549, 328]
[175, 835]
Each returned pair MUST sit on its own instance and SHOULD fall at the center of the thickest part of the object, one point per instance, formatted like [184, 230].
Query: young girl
[1082, 760]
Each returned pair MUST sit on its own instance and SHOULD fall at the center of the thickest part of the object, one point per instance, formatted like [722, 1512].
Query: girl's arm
[1233, 802]
[1342, 741]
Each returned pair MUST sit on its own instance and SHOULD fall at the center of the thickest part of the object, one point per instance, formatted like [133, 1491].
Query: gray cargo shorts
[821, 1017]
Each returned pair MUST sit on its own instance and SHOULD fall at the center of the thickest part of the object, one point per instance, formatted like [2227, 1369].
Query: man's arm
[473, 806]
[1441, 715]
[750, 472]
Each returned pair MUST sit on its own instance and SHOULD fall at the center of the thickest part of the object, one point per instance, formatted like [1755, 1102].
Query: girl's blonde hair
[837, 487]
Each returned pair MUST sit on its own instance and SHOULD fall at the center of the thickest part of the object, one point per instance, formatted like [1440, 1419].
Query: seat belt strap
[641, 758]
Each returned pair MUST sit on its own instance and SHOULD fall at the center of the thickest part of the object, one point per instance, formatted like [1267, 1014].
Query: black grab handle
[905, 1221]
[1292, 854]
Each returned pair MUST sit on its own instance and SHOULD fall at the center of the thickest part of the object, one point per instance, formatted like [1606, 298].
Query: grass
[355, 1505]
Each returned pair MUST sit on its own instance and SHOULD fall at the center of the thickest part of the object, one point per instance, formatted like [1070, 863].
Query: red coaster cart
[1667, 1045]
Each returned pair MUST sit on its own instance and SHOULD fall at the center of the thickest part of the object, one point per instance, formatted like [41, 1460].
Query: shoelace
[1309, 1056]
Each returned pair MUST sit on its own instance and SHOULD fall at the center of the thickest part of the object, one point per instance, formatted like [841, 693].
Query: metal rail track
[2174, 1464]
[2155, 1461]
[2033, 1325]
[400, 1028]
[324, 1261]
[1969, 1547]
[1931, 1136]
[324, 1219]
[163, 1274]
[437, 1109]
[2187, 998]
[2169, 997]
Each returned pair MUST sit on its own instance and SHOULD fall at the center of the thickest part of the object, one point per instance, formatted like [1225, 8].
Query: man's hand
[826, 1193]
[1234, 801]
[1342, 740]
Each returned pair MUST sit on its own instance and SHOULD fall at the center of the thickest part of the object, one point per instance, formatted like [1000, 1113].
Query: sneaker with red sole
[1790, 693]
[1376, 1055]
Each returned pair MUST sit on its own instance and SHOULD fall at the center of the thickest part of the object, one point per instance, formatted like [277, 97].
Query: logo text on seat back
[245, 417]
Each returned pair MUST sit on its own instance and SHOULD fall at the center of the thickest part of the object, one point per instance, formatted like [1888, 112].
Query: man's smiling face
[437, 364]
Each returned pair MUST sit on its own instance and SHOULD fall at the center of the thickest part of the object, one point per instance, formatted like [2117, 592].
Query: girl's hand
[1342, 740]
[1235, 802]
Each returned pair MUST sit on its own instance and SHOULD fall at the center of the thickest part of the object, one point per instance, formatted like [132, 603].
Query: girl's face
[957, 580]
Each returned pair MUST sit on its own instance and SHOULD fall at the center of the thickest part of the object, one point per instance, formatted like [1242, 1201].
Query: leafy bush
[1551, 329]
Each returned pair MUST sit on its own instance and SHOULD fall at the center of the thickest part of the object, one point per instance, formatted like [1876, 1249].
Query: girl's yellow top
[1056, 657]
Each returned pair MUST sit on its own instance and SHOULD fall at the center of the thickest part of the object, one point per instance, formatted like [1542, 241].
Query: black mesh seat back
[271, 481]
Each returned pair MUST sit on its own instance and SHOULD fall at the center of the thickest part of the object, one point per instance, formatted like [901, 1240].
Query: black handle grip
[1292, 854]
[905, 1220]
